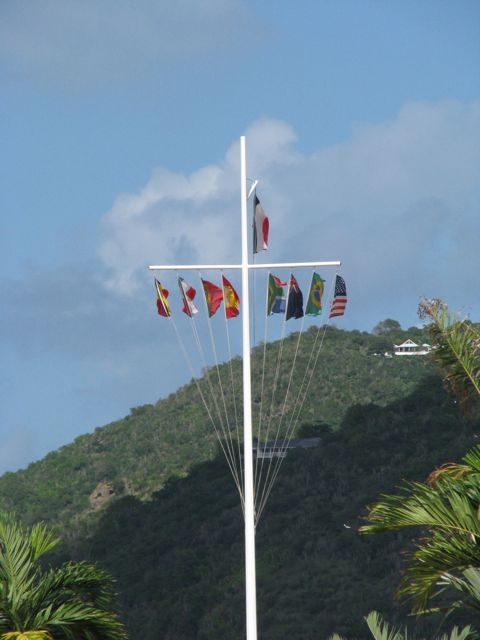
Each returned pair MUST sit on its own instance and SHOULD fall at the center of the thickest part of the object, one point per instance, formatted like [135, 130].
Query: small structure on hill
[279, 448]
[411, 348]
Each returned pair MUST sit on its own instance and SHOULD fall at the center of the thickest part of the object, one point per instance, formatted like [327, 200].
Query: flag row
[214, 296]
[289, 301]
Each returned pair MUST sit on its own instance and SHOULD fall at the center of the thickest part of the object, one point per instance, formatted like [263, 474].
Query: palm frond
[72, 619]
[472, 459]
[26, 635]
[448, 512]
[457, 349]
[42, 540]
[445, 505]
[67, 603]
[76, 578]
[439, 561]
[17, 571]
[450, 469]
[467, 633]
[381, 630]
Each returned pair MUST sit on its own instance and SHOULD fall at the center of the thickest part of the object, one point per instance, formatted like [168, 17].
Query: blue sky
[119, 125]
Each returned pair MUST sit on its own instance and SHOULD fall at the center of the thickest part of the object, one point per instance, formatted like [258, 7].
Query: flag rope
[282, 414]
[266, 470]
[254, 290]
[200, 393]
[217, 408]
[213, 396]
[274, 389]
[262, 385]
[294, 421]
[231, 448]
[232, 379]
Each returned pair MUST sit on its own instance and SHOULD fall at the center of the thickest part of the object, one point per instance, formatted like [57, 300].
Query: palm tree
[383, 631]
[446, 562]
[445, 565]
[71, 602]
[457, 349]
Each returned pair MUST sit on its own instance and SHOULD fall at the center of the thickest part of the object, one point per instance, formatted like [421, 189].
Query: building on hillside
[411, 348]
[279, 448]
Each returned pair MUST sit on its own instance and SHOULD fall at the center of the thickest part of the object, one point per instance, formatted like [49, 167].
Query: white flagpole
[250, 578]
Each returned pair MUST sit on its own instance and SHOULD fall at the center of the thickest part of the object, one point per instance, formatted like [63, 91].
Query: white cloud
[189, 218]
[84, 42]
[398, 203]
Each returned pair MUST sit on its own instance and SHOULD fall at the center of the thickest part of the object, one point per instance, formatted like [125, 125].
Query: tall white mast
[250, 577]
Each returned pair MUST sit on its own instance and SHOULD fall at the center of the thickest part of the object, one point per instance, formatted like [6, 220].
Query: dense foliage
[178, 558]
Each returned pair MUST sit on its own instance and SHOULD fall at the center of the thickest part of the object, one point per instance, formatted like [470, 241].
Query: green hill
[179, 560]
[168, 524]
[137, 455]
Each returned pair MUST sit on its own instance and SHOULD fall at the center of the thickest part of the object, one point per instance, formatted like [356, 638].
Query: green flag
[314, 304]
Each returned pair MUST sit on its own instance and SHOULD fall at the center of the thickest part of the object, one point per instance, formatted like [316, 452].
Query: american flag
[339, 301]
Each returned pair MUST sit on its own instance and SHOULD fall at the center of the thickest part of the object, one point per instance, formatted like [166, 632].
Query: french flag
[260, 226]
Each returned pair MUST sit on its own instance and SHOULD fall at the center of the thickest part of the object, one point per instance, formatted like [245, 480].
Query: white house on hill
[411, 348]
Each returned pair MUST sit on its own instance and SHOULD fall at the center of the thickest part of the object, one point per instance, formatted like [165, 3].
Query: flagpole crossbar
[272, 265]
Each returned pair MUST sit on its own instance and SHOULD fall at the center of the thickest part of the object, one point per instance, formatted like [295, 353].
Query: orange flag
[232, 301]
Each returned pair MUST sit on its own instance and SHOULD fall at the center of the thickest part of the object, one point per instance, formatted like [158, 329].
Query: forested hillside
[178, 558]
[169, 526]
[137, 455]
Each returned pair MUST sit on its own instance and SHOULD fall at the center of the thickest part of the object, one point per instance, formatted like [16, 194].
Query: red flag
[232, 301]
[162, 305]
[213, 296]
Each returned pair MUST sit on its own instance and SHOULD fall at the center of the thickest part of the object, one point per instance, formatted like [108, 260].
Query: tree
[446, 562]
[385, 327]
[317, 430]
[71, 602]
